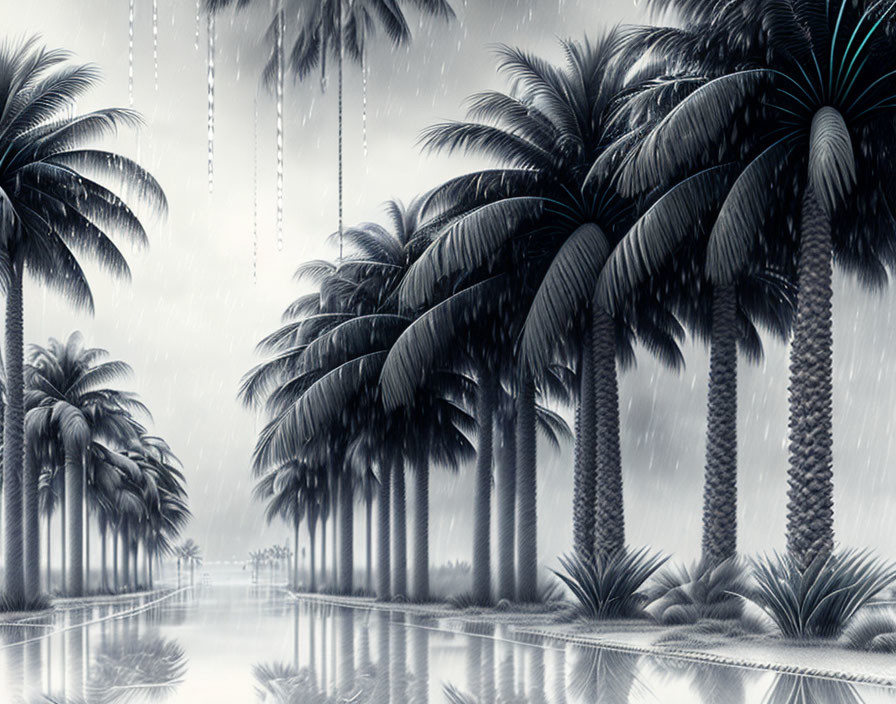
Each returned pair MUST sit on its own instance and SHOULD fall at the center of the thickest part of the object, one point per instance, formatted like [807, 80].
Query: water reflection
[221, 646]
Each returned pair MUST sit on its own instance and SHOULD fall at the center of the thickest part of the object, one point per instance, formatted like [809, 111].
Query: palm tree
[50, 209]
[286, 489]
[191, 554]
[815, 85]
[548, 218]
[337, 28]
[66, 398]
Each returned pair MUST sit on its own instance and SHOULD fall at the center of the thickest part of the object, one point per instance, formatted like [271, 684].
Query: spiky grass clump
[611, 587]
[874, 632]
[686, 595]
[821, 601]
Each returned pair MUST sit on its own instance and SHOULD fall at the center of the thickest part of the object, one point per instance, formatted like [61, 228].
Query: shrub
[818, 602]
[874, 632]
[611, 587]
[686, 595]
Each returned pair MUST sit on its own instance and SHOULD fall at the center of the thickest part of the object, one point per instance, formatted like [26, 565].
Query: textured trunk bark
[399, 532]
[85, 530]
[104, 573]
[346, 532]
[74, 491]
[323, 550]
[421, 532]
[368, 542]
[13, 442]
[125, 554]
[720, 488]
[610, 526]
[585, 470]
[49, 535]
[63, 537]
[295, 562]
[505, 461]
[31, 511]
[383, 552]
[527, 492]
[482, 498]
[115, 565]
[810, 508]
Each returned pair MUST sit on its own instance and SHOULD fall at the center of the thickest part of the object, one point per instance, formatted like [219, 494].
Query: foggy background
[189, 320]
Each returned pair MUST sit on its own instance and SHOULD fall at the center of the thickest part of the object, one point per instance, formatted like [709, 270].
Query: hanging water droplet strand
[255, 190]
[279, 49]
[364, 71]
[131, 9]
[211, 101]
[155, 43]
[198, 25]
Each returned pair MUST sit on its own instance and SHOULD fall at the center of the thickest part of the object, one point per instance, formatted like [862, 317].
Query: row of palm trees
[69, 443]
[98, 466]
[662, 181]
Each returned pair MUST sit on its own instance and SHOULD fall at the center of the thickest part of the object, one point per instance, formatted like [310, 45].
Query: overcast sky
[189, 320]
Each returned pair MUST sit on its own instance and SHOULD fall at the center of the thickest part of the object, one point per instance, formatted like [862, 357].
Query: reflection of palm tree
[420, 661]
[713, 683]
[345, 644]
[150, 667]
[605, 676]
[381, 681]
[797, 689]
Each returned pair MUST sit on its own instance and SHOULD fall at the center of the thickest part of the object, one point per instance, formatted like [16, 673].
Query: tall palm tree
[50, 209]
[814, 83]
[338, 29]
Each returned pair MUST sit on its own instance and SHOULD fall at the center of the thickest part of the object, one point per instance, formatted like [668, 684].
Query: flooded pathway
[244, 643]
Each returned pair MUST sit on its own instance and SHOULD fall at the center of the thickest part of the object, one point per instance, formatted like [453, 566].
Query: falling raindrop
[280, 29]
[255, 191]
[155, 42]
[131, 52]
[211, 101]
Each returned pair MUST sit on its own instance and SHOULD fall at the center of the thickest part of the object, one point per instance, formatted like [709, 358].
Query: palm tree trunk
[49, 586]
[31, 510]
[312, 529]
[63, 538]
[368, 541]
[125, 554]
[610, 525]
[104, 574]
[74, 490]
[720, 490]
[810, 507]
[115, 583]
[482, 498]
[383, 556]
[295, 563]
[346, 532]
[421, 532]
[527, 491]
[399, 532]
[506, 488]
[323, 550]
[13, 440]
[585, 469]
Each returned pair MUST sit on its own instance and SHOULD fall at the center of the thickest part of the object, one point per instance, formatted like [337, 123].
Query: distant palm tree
[318, 28]
[51, 208]
[191, 554]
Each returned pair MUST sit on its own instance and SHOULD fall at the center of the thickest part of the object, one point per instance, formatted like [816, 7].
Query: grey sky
[189, 320]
